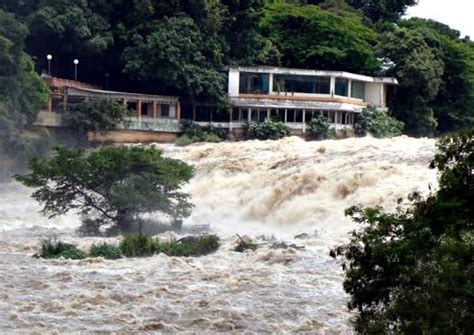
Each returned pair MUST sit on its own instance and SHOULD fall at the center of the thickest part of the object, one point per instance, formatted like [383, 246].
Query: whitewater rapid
[264, 189]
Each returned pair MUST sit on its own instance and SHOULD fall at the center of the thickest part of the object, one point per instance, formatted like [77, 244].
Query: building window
[342, 87]
[165, 111]
[358, 90]
[256, 83]
[301, 84]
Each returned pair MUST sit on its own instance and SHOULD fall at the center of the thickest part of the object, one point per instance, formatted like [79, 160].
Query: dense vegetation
[320, 128]
[181, 47]
[268, 130]
[94, 115]
[111, 187]
[377, 123]
[412, 271]
[131, 245]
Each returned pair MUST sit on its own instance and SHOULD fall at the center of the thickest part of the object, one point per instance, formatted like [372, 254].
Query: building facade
[294, 96]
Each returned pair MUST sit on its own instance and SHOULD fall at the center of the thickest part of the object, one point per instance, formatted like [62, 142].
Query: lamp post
[76, 62]
[49, 57]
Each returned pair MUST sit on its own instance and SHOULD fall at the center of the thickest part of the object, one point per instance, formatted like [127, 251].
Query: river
[268, 190]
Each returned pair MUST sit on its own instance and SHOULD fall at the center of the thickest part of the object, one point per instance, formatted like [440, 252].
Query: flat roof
[75, 91]
[306, 72]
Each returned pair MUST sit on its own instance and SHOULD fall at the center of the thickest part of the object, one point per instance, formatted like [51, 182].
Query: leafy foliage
[139, 245]
[419, 72]
[411, 271]
[268, 130]
[194, 133]
[377, 123]
[320, 128]
[95, 115]
[53, 248]
[22, 92]
[390, 10]
[113, 185]
[342, 41]
[107, 251]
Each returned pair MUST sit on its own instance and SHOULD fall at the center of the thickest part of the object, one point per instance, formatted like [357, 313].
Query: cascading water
[277, 188]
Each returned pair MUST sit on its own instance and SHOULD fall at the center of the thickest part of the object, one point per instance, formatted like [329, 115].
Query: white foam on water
[278, 188]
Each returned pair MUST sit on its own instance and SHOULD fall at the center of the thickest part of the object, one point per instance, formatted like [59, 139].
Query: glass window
[358, 90]
[165, 110]
[254, 83]
[342, 87]
[301, 84]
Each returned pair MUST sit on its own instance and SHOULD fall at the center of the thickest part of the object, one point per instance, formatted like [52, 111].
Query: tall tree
[419, 71]
[310, 37]
[389, 10]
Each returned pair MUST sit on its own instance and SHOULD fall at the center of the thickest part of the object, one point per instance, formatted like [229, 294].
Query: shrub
[108, 251]
[139, 245]
[53, 248]
[378, 123]
[320, 128]
[268, 130]
[194, 133]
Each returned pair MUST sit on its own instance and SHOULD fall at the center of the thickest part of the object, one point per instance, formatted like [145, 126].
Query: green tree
[112, 186]
[412, 271]
[174, 52]
[454, 104]
[390, 10]
[377, 123]
[22, 92]
[320, 39]
[419, 71]
[95, 115]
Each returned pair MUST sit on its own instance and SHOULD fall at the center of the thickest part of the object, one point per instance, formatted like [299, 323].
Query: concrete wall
[234, 82]
[132, 136]
[375, 94]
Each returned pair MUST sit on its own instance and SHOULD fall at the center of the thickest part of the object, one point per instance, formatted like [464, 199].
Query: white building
[294, 96]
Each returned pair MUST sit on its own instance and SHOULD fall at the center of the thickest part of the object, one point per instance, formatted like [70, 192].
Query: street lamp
[76, 62]
[49, 57]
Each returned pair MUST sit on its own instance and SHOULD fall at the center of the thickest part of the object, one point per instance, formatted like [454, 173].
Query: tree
[453, 106]
[95, 115]
[320, 39]
[390, 10]
[22, 92]
[419, 71]
[174, 52]
[377, 123]
[111, 186]
[269, 130]
[411, 271]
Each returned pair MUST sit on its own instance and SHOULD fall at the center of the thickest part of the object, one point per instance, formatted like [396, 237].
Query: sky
[458, 14]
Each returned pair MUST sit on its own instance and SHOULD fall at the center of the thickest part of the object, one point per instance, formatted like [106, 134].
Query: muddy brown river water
[268, 189]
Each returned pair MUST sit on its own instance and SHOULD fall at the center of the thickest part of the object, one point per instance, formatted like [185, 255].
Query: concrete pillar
[50, 104]
[286, 115]
[249, 115]
[269, 111]
[139, 113]
[349, 89]
[125, 102]
[230, 119]
[332, 89]
[178, 110]
[270, 83]
[154, 108]
[304, 121]
[65, 101]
